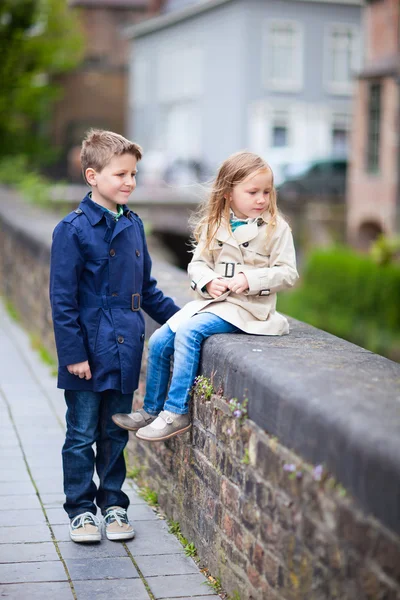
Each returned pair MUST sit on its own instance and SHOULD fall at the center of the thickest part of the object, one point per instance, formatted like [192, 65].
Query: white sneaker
[117, 524]
[85, 528]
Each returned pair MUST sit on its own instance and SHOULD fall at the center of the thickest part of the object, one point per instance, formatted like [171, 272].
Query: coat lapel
[224, 235]
[245, 233]
[122, 223]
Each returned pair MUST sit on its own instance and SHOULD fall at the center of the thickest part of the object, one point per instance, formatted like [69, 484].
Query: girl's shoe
[117, 524]
[85, 528]
[166, 425]
[133, 421]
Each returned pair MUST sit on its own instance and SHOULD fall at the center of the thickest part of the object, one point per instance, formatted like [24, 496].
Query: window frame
[295, 84]
[373, 150]
[336, 87]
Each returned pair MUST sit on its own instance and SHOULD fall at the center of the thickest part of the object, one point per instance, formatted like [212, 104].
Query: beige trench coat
[269, 267]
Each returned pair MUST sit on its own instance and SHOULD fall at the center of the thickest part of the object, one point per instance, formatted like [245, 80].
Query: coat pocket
[105, 336]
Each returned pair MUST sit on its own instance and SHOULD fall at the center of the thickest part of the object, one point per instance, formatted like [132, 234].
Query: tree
[39, 39]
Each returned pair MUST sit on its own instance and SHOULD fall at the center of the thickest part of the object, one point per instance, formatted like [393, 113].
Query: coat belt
[132, 301]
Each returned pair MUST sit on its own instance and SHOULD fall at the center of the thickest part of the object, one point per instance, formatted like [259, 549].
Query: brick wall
[267, 533]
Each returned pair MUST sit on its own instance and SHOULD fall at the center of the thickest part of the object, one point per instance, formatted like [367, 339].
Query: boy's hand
[238, 284]
[216, 287]
[81, 370]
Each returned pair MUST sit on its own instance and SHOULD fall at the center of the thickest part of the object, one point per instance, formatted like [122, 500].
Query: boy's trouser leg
[161, 348]
[78, 457]
[86, 424]
[110, 461]
[188, 340]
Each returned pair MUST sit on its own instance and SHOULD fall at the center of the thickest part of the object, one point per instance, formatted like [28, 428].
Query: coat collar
[242, 234]
[94, 212]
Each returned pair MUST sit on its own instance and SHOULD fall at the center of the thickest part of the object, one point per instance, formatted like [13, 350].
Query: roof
[159, 22]
[165, 20]
[111, 3]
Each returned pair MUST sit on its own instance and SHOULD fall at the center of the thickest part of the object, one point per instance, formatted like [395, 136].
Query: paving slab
[37, 591]
[23, 534]
[123, 589]
[12, 488]
[57, 516]
[170, 564]
[17, 474]
[89, 552]
[25, 502]
[142, 512]
[176, 586]
[153, 538]
[191, 597]
[14, 518]
[101, 568]
[22, 553]
[32, 571]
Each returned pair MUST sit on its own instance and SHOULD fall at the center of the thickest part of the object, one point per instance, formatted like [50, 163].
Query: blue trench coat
[100, 279]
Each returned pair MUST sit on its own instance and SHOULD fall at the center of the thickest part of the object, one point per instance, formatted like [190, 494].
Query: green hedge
[351, 296]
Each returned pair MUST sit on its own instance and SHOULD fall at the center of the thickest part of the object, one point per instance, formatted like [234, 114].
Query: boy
[100, 279]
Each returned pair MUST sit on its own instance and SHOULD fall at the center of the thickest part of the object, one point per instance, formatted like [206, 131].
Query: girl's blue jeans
[185, 347]
[89, 422]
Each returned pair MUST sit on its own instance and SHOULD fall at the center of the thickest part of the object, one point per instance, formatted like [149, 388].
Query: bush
[351, 296]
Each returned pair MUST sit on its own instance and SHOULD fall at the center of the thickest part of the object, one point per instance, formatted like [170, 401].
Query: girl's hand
[216, 287]
[81, 370]
[238, 284]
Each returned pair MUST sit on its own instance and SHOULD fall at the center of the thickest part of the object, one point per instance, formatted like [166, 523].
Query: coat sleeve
[154, 303]
[281, 273]
[66, 266]
[201, 269]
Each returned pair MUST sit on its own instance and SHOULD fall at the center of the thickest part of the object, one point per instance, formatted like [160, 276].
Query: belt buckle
[133, 307]
[229, 269]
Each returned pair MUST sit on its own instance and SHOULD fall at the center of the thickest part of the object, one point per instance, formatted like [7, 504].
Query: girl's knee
[160, 339]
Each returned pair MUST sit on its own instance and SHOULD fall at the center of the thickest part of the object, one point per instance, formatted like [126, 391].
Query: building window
[340, 133]
[283, 56]
[374, 126]
[280, 130]
[343, 57]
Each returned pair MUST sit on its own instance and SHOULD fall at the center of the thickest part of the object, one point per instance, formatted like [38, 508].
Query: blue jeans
[89, 422]
[185, 347]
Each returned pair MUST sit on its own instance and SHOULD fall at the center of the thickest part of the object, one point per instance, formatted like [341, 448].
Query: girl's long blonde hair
[233, 170]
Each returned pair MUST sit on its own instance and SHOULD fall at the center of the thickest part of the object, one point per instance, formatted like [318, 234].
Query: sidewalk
[37, 559]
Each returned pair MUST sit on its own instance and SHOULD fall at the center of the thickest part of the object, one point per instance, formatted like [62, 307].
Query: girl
[244, 255]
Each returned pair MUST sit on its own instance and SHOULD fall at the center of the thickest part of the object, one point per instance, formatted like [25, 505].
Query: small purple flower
[229, 431]
[299, 474]
[237, 413]
[289, 467]
[317, 472]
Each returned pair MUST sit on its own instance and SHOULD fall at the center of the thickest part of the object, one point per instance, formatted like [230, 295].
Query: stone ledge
[329, 400]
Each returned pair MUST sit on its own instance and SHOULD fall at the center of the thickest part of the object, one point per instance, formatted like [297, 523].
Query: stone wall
[270, 525]
[247, 492]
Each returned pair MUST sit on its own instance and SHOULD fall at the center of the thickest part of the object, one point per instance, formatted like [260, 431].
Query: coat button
[114, 294]
[120, 339]
[137, 253]
[142, 337]
[112, 252]
[245, 244]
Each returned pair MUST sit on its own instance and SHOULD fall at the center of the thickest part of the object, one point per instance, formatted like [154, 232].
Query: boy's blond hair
[100, 146]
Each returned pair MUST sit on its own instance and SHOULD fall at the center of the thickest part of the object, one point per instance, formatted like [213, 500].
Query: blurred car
[323, 179]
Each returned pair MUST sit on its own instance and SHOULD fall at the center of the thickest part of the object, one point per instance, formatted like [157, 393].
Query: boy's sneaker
[85, 528]
[166, 425]
[117, 524]
[133, 421]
